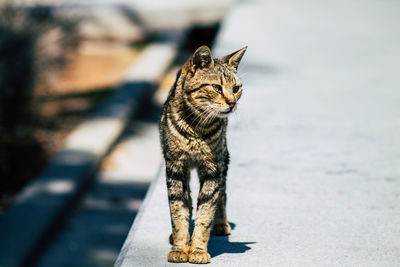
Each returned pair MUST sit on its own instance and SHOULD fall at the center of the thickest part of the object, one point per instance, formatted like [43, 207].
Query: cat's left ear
[234, 58]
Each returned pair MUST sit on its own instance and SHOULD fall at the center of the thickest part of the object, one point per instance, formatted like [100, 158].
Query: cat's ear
[234, 58]
[202, 58]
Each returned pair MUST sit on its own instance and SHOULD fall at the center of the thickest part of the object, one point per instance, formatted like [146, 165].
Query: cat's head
[211, 85]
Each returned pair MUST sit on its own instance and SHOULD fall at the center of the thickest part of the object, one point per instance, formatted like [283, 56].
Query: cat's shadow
[218, 245]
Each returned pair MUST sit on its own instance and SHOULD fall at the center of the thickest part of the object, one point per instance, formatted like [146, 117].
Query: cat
[193, 135]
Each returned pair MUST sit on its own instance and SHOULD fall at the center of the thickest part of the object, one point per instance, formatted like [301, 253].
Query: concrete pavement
[95, 231]
[314, 178]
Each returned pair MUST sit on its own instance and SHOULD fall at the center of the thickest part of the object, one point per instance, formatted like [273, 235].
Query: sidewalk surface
[95, 231]
[314, 178]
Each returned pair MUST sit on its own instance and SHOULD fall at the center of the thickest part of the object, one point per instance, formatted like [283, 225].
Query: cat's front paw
[199, 257]
[222, 229]
[177, 256]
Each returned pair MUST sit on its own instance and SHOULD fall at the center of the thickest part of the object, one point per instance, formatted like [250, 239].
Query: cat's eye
[235, 89]
[217, 88]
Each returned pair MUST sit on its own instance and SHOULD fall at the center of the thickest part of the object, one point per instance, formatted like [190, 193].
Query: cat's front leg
[179, 204]
[206, 206]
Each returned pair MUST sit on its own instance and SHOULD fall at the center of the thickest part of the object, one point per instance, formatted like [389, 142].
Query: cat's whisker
[190, 114]
[210, 118]
[199, 119]
[202, 122]
[242, 76]
[184, 119]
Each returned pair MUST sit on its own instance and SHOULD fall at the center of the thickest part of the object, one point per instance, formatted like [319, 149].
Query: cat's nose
[231, 104]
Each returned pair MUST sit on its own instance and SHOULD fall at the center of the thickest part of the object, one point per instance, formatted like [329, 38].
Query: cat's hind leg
[221, 225]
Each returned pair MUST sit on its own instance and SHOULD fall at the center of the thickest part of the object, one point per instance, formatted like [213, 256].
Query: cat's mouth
[226, 111]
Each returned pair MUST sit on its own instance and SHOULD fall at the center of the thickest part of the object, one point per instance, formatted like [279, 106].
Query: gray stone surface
[314, 178]
[95, 231]
[24, 226]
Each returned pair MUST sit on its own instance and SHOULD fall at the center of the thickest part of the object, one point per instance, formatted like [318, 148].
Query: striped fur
[193, 135]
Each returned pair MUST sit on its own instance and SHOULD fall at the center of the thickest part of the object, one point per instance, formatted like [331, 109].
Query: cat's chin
[224, 114]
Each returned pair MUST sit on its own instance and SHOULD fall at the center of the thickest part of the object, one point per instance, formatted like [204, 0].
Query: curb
[25, 227]
[125, 257]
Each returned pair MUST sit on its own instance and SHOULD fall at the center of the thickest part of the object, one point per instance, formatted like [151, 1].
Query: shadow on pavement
[96, 232]
[220, 245]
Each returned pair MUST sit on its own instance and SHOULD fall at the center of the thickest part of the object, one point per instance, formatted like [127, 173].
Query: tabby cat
[193, 135]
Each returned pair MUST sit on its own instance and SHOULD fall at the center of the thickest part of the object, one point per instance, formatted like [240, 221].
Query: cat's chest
[198, 152]
[197, 148]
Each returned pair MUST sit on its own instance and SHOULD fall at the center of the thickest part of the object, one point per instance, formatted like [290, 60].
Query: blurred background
[60, 61]
[81, 88]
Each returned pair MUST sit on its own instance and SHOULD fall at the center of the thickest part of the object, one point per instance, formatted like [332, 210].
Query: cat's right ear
[200, 59]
